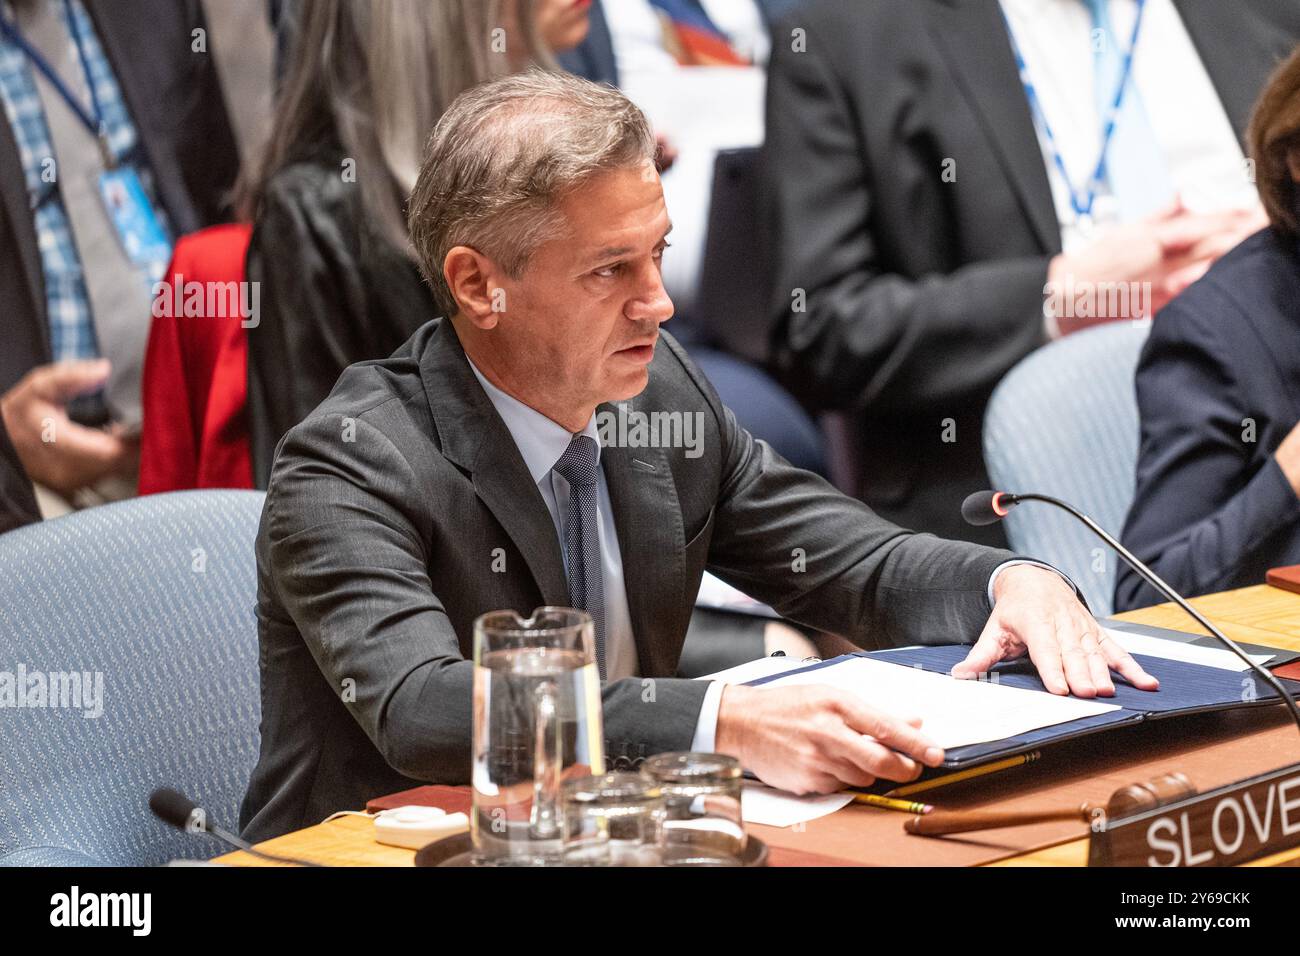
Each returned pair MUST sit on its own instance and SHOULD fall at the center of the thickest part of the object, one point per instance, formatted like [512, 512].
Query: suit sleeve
[349, 564]
[865, 334]
[1204, 504]
[17, 500]
[787, 537]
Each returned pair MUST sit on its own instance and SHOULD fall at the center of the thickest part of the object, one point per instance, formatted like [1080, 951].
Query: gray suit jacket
[375, 554]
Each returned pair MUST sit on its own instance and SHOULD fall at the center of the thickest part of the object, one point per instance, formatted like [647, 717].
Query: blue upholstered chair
[1064, 422]
[156, 595]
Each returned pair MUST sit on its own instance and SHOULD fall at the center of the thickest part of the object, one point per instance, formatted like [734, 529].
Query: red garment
[195, 383]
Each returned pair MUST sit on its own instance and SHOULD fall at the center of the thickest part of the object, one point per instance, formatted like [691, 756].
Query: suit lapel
[973, 37]
[22, 225]
[505, 486]
[651, 541]
[120, 39]
[474, 437]
[647, 514]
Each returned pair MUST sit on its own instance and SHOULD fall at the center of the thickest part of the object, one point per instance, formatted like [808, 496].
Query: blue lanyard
[94, 120]
[1082, 206]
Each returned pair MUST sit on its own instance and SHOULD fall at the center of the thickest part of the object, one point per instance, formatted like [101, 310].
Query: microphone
[987, 507]
[180, 811]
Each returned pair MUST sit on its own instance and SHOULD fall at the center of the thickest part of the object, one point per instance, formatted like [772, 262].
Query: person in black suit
[1218, 386]
[919, 226]
[151, 57]
[477, 468]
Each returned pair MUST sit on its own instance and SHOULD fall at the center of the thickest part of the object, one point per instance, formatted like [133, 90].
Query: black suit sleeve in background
[1213, 509]
[332, 294]
[305, 264]
[873, 333]
[17, 501]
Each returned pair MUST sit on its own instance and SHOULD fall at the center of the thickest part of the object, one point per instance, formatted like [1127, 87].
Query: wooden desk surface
[1260, 614]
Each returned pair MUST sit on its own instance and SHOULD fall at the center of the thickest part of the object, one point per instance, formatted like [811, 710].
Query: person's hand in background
[1168, 250]
[55, 451]
[562, 24]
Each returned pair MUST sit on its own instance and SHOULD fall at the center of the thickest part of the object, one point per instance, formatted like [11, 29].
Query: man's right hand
[818, 739]
[1169, 250]
[55, 451]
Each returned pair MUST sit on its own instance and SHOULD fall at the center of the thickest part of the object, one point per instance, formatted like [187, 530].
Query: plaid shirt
[72, 331]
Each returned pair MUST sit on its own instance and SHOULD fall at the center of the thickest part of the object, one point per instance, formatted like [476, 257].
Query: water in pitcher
[533, 720]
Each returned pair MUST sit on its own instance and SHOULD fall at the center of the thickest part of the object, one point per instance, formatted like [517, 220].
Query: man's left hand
[1036, 612]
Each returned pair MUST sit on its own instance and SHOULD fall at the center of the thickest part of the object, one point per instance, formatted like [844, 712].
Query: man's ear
[1293, 163]
[471, 276]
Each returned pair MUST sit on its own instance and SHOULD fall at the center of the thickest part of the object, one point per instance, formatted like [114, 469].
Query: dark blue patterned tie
[579, 466]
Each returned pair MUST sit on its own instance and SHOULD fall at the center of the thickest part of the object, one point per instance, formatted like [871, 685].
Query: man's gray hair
[503, 156]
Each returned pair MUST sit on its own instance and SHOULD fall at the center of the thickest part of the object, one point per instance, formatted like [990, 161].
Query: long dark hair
[372, 77]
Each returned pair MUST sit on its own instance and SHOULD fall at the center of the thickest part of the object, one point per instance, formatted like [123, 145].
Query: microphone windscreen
[172, 807]
[981, 508]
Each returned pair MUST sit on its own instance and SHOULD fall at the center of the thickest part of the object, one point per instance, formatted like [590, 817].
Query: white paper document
[954, 713]
[760, 803]
[755, 669]
[1180, 651]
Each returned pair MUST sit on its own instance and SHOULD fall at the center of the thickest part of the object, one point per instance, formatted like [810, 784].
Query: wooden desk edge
[1258, 614]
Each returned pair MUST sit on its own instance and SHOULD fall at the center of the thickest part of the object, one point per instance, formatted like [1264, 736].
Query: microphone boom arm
[1158, 583]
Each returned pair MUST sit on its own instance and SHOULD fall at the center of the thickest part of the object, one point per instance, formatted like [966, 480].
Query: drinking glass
[612, 820]
[702, 825]
[537, 721]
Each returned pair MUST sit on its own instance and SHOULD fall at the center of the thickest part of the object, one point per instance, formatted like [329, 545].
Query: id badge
[141, 235]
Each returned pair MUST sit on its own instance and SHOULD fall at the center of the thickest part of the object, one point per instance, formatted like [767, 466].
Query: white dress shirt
[1199, 147]
[541, 442]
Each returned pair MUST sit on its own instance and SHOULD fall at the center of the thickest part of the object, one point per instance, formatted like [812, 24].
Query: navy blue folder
[1184, 689]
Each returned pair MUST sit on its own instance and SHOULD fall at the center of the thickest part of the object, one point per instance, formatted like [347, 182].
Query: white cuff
[706, 728]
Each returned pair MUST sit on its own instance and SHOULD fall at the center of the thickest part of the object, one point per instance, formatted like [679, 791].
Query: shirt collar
[540, 440]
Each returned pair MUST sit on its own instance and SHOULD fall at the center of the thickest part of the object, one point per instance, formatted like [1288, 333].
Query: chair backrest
[733, 306]
[1064, 422]
[150, 604]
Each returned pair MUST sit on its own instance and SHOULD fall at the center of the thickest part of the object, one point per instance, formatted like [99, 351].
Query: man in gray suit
[494, 462]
